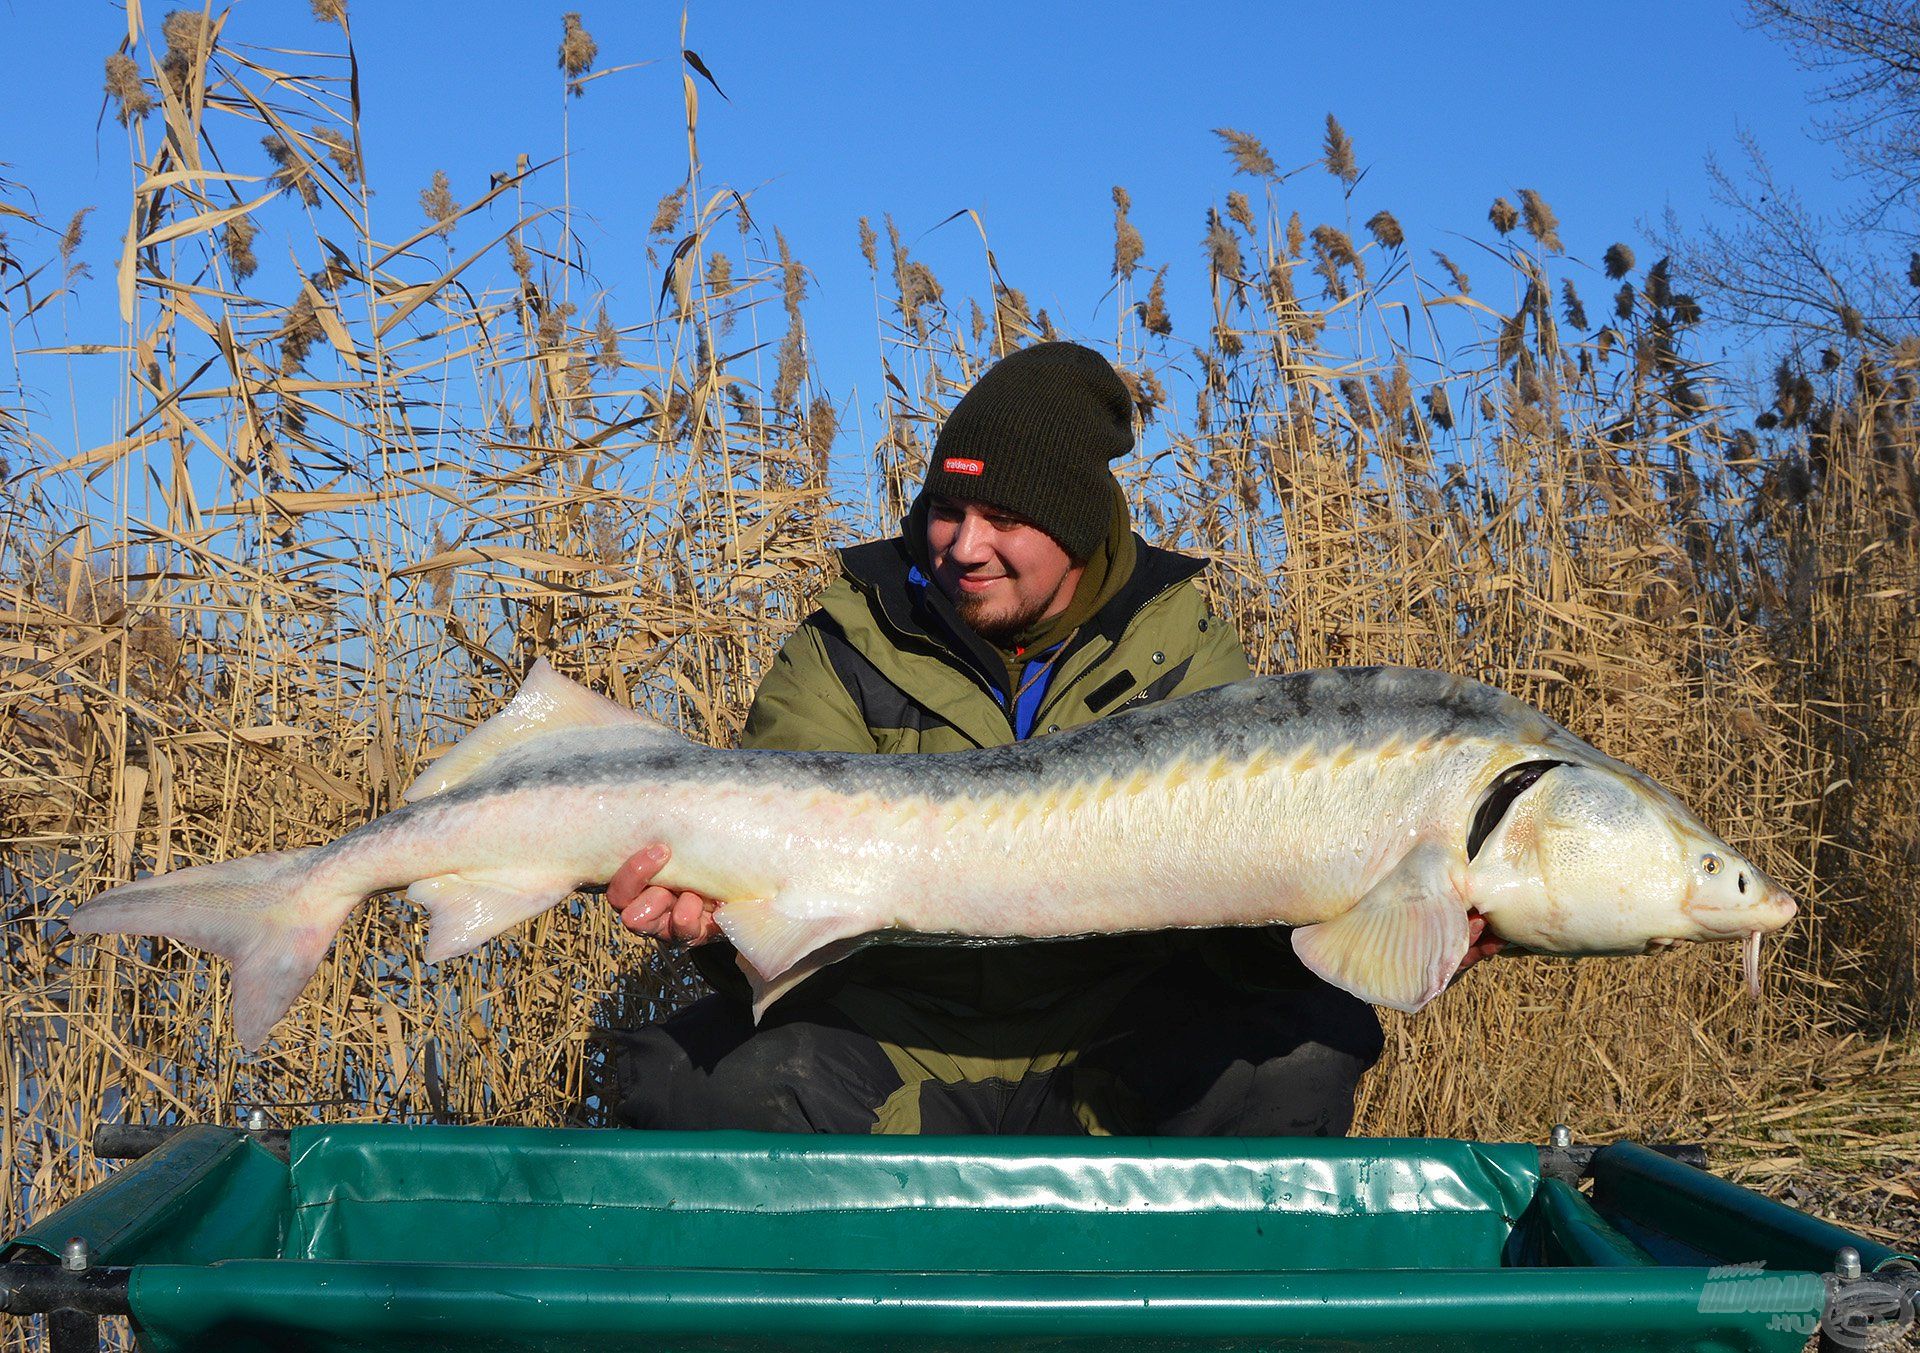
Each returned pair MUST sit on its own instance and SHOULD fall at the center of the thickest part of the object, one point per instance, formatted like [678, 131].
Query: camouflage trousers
[1178, 1053]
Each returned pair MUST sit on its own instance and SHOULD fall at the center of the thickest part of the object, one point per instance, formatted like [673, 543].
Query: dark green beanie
[1033, 437]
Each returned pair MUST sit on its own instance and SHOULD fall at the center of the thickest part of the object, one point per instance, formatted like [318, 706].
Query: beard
[998, 622]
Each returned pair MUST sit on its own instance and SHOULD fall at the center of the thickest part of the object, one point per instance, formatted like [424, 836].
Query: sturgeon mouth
[1498, 798]
[1750, 962]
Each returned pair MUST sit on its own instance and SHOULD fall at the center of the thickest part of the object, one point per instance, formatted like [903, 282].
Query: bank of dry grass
[353, 502]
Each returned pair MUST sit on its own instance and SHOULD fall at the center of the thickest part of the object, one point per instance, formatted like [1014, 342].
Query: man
[1016, 602]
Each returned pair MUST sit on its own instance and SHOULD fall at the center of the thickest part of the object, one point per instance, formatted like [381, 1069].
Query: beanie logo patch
[963, 465]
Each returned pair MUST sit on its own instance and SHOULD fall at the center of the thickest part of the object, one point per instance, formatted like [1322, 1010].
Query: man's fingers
[1481, 942]
[1486, 949]
[666, 915]
[624, 888]
[650, 912]
[692, 918]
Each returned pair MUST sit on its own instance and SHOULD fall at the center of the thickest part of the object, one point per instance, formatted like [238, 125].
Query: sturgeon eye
[1710, 863]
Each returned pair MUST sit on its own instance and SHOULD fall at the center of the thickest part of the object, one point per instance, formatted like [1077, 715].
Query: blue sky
[1027, 113]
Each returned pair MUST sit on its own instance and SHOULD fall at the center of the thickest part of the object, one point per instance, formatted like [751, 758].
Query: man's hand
[1481, 942]
[647, 909]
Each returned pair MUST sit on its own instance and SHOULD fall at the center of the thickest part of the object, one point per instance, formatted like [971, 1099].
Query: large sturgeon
[1369, 807]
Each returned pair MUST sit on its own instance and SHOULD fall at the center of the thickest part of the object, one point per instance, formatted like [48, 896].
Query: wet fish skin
[1341, 802]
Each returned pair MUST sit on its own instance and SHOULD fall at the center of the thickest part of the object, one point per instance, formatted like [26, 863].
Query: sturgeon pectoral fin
[467, 910]
[1400, 944]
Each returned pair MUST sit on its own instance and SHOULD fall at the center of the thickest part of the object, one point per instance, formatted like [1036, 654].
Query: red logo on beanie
[963, 465]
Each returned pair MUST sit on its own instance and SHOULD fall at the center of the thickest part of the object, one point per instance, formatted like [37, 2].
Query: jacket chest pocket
[1110, 690]
[1162, 685]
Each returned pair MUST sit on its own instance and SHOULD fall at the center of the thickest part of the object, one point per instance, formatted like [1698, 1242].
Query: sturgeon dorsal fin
[545, 703]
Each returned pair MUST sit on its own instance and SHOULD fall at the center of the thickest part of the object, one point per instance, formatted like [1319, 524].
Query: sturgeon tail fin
[267, 914]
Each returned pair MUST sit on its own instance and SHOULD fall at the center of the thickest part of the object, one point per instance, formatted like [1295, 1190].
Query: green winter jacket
[884, 665]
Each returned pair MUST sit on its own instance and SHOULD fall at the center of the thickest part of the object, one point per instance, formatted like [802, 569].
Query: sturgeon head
[1589, 856]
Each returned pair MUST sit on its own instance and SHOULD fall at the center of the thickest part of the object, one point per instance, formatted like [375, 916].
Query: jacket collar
[916, 609]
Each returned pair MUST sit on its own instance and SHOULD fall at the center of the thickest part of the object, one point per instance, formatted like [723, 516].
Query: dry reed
[349, 506]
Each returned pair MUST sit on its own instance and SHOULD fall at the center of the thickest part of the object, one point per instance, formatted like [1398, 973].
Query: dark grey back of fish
[1280, 715]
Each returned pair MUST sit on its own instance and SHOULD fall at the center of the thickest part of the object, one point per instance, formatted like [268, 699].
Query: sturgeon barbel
[1369, 807]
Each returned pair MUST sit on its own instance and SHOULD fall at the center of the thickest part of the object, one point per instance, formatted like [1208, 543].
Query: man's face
[1001, 573]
